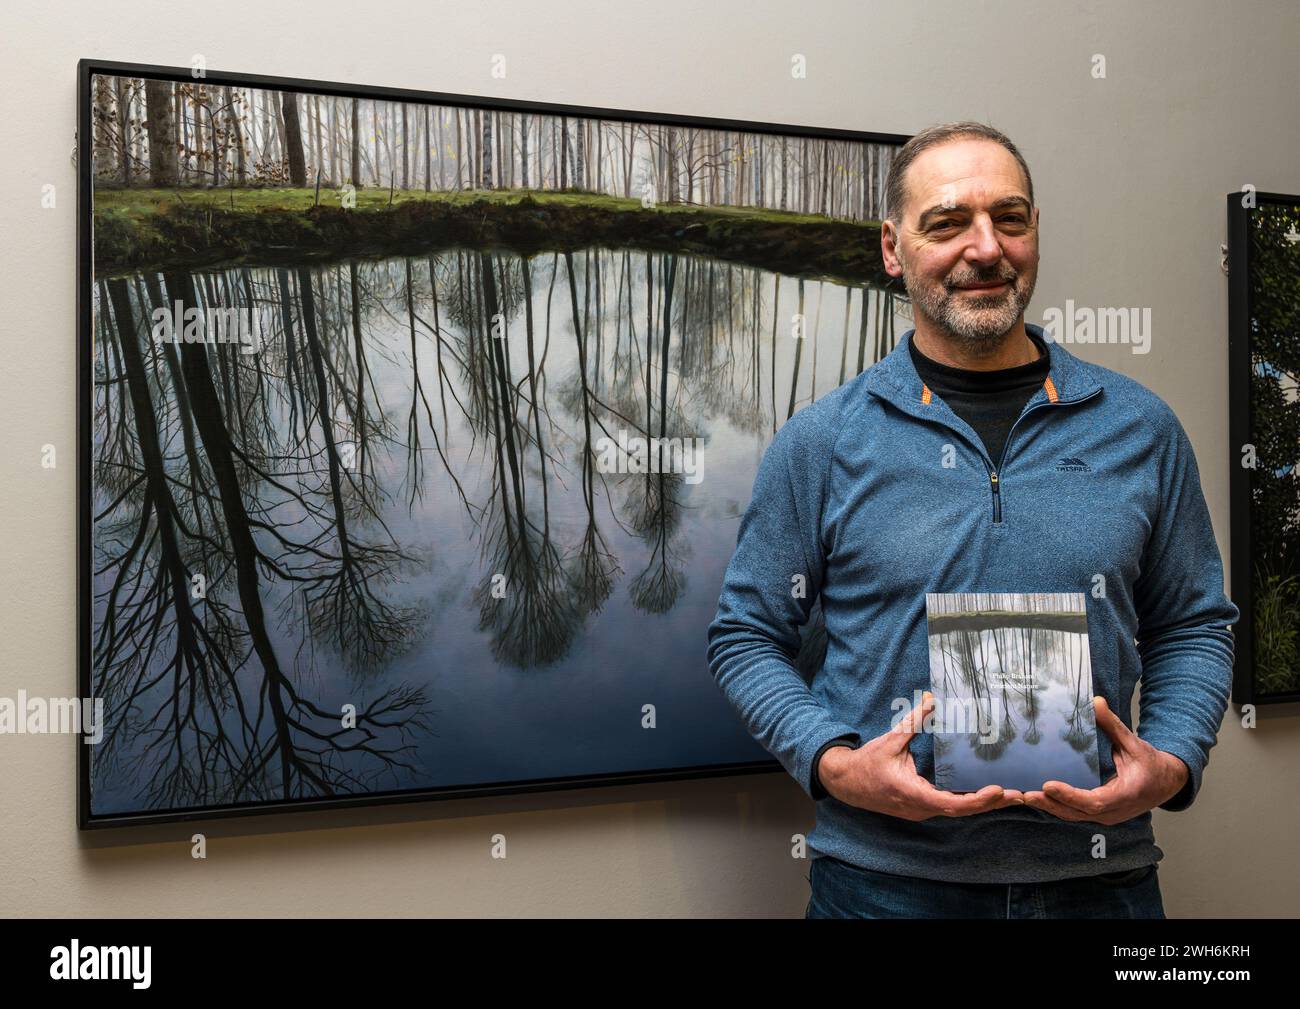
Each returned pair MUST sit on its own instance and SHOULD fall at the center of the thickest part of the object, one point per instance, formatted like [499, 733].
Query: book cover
[1011, 676]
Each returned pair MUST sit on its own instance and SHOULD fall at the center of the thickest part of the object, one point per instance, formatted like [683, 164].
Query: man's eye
[1014, 218]
[940, 226]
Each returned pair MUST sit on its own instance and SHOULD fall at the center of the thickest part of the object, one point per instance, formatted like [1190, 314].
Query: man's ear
[888, 239]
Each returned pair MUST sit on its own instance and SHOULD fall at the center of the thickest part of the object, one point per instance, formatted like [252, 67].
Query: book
[1011, 675]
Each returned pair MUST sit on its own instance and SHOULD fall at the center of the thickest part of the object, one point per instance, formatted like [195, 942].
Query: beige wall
[1130, 172]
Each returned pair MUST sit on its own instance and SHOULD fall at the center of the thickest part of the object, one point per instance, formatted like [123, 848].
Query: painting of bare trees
[350, 360]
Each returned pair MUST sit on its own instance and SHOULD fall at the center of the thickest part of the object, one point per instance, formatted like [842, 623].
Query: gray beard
[978, 324]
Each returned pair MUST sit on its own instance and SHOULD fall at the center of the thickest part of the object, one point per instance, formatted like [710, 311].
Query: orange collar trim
[1048, 384]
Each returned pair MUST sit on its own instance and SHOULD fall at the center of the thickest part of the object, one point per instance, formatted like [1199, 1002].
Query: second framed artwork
[415, 429]
[1264, 372]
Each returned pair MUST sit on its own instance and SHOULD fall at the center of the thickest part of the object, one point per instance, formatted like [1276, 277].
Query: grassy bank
[150, 228]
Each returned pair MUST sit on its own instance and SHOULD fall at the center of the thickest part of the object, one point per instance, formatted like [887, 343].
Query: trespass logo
[101, 963]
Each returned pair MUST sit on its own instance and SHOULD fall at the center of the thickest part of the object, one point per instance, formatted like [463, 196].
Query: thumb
[914, 721]
[1111, 723]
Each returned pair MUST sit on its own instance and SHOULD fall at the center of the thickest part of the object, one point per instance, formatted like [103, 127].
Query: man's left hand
[1144, 778]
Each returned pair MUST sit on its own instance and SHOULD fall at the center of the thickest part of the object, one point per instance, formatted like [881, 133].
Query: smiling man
[975, 457]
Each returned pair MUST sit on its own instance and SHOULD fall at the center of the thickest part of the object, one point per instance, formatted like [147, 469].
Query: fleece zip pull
[1046, 396]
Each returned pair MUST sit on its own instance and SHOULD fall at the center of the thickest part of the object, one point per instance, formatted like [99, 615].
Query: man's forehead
[972, 169]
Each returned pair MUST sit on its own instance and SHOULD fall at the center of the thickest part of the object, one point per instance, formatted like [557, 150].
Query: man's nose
[983, 247]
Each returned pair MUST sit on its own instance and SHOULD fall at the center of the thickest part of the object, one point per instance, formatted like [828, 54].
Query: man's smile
[989, 285]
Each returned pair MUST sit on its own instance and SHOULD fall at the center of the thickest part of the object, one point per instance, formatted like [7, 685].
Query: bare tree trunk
[273, 131]
[826, 176]
[509, 132]
[672, 164]
[374, 116]
[253, 145]
[281, 143]
[876, 210]
[319, 145]
[580, 155]
[564, 152]
[293, 140]
[460, 152]
[803, 174]
[334, 142]
[523, 150]
[181, 134]
[241, 152]
[542, 146]
[555, 154]
[212, 128]
[442, 177]
[406, 147]
[391, 145]
[124, 126]
[356, 143]
[629, 149]
[428, 155]
[159, 100]
[501, 161]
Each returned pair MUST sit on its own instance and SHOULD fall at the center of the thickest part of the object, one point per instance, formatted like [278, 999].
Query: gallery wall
[1130, 169]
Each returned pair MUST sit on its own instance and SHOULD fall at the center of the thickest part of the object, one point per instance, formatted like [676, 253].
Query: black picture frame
[86, 70]
[1240, 207]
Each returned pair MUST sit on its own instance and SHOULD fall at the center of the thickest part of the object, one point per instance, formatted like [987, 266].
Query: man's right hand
[881, 776]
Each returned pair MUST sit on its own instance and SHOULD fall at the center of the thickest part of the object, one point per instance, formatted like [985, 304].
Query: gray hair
[895, 188]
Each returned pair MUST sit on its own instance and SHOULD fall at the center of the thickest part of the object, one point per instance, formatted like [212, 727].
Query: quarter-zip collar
[895, 379]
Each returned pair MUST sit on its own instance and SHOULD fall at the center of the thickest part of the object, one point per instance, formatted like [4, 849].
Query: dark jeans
[841, 890]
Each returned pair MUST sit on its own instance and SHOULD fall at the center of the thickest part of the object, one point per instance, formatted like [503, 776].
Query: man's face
[967, 247]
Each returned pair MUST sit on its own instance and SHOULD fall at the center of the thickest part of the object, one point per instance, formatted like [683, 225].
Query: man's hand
[1144, 778]
[881, 776]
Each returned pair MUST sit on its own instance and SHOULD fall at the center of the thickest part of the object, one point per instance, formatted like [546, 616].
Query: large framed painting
[1264, 348]
[415, 430]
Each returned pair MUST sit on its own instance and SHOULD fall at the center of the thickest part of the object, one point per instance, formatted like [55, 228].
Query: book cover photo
[1011, 676]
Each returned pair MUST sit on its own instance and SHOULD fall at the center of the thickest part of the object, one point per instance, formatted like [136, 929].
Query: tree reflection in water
[263, 521]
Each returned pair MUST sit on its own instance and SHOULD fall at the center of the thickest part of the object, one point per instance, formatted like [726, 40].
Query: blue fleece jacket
[877, 494]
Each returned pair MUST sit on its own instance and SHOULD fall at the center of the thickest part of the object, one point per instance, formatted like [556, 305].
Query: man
[977, 456]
